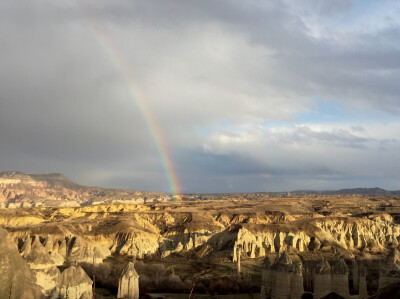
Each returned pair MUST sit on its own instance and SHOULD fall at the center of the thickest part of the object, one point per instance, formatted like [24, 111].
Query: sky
[202, 96]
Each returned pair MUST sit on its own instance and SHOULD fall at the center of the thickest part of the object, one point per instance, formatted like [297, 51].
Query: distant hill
[54, 189]
[17, 188]
[354, 191]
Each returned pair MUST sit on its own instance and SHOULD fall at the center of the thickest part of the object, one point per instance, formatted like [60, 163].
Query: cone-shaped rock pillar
[128, 283]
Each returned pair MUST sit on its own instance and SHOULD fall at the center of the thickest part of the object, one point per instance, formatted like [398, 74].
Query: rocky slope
[361, 230]
[26, 190]
[94, 232]
[16, 279]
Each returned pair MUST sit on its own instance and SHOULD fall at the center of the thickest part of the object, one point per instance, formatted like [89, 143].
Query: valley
[211, 246]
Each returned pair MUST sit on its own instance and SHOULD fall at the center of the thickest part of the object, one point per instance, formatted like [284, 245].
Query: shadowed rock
[340, 278]
[16, 279]
[283, 279]
[322, 279]
[74, 283]
[128, 287]
[390, 269]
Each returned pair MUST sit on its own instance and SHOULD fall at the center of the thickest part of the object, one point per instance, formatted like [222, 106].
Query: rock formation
[26, 247]
[297, 281]
[390, 269]
[266, 277]
[283, 279]
[81, 251]
[44, 269]
[340, 278]
[362, 282]
[16, 279]
[322, 279]
[73, 283]
[262, 226]
[239, 254]
[128, 287]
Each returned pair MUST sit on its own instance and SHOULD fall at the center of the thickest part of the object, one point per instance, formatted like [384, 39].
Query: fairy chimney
[128, 287]
[340, 278]
[322, 279]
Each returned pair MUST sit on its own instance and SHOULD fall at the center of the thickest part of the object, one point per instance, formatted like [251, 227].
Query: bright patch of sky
[336, 112]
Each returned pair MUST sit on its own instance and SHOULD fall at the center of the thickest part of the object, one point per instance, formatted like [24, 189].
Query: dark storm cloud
[206, 70]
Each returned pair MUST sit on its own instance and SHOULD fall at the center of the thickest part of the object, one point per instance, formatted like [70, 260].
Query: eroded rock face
[200, 230]
[340, 278]
[390, 269]
[374, 233]
[43, 267]
[362, 282]
[73, 283]
[81, 251]
[16, 279]
[61, 249]
[128, 287]
[322, 279]
[322, 234]
[283, 279]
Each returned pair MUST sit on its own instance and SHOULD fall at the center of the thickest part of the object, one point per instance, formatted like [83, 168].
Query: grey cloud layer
[201, 66]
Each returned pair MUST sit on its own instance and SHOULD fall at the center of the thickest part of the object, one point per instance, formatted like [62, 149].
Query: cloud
[298, 153]
[212, 74]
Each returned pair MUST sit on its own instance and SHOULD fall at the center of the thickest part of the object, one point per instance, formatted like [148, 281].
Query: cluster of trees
[157, 278]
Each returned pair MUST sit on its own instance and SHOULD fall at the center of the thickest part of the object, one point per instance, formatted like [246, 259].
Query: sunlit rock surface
[16, 279]
[56, 223]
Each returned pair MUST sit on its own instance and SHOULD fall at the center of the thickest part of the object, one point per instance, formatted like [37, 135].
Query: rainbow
[141, 103]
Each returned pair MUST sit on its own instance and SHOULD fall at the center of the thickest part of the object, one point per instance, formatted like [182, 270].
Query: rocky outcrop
[372, 234]
[322, 279]
[73, 283]
[128, 287]
[81, 251]
[72, 249]
[283, 279]
[340, 278]
[272, 240]
[266, 279]
[390, 269]
[308, 228]
[16, 279]
[362, 282]
[43, 267]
